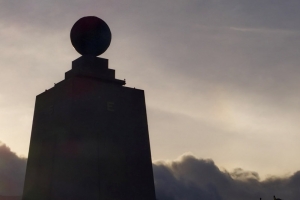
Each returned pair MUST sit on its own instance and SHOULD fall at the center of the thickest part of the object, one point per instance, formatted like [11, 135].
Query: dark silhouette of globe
[90, 36]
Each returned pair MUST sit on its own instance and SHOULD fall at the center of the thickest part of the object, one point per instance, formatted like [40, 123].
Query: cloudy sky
[221, 77]
[186, 178]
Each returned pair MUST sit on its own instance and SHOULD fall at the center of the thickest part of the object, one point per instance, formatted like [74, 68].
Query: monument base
[89, 141]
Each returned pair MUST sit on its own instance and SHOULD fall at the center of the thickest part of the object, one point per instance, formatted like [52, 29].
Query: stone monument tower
[89, 137]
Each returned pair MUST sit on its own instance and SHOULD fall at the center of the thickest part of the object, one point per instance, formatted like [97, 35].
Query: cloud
[187, 178]
[12, 172]
[190, 178]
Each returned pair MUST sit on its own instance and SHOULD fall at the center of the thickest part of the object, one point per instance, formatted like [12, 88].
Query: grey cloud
[264, 63]
[186, 179]
[249, 46]
[191, 37]
[192, 179]
[12, 172]
[275, 14]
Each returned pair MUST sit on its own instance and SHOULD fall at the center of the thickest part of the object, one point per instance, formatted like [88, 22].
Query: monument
[89, 135]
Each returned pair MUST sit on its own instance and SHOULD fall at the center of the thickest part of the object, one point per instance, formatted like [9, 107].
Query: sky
[220, 77]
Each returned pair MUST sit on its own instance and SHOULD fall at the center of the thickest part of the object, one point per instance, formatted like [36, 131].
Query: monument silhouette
[89, 135]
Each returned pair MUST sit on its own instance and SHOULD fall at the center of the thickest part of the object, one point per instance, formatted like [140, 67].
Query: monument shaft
[90, 139]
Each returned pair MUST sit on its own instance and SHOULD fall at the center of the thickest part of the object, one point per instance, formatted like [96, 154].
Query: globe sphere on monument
[90, 36]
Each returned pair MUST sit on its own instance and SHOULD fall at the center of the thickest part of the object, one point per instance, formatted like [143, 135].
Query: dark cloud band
[189, 178]
[193, 179]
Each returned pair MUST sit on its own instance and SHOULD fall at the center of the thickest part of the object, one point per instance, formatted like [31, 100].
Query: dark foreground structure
[89, 136]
